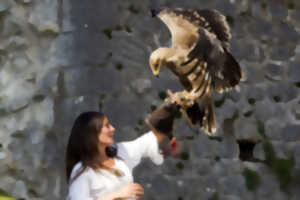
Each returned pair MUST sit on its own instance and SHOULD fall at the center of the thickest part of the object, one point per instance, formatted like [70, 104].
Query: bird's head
[156, 61]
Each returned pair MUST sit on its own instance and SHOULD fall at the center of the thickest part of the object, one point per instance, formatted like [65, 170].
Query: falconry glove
[162, 118]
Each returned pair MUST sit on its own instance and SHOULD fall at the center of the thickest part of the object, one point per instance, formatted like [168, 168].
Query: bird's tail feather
[203, 115]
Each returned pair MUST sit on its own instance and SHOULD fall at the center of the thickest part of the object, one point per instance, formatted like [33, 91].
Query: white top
[94, 183]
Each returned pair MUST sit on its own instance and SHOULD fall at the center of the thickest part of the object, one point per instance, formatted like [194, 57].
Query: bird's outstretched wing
[206, 35]
[222, 67]
[212, 46]
[217, 24]
[184, 24]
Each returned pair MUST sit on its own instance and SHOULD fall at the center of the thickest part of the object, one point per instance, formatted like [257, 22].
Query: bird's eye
[156, 65]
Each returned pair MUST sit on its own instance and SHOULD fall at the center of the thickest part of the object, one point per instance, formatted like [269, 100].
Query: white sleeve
[80, 188]
[144, 146]
[86, 186]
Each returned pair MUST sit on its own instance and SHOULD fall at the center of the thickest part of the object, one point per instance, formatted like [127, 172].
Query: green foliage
[277, 99]
[5, 196]
[220, 102]
[153, 107]
[252, 179]
[282, 168]
[215, 196]
[119, 66]
[230, 20]
[162, 95]
[248, 113]
[128, 29]
[108, 33]
[264, 4]
[180, 165]
[217, 158]
[269, 153]
[133, 10]
[100, 106]
[297, 84]
[261, 128]
[251, 101]
[184, 156]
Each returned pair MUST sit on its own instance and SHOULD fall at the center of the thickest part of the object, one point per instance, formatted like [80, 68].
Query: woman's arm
[130, 190]
[144, 146]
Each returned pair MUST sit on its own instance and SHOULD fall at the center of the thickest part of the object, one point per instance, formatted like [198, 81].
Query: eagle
[199, 56]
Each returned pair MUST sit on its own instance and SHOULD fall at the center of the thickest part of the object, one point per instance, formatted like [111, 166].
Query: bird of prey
[200, 57]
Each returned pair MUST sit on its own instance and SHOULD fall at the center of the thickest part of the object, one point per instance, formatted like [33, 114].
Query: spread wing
[216, 23]
[206, 34]
[184, 33]
[212, 47]
[223, 69]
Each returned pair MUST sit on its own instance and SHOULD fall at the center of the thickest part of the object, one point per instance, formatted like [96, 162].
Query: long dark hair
[83, 144]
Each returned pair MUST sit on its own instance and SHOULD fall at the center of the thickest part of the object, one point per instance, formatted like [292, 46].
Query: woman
[96, 170]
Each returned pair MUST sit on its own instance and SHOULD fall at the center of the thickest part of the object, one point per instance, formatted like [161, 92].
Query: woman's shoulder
[78, 172]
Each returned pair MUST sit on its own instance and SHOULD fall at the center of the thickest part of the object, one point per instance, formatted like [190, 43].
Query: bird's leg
[178, 100]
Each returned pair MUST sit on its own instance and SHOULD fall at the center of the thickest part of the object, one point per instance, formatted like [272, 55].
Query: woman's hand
[130, 190]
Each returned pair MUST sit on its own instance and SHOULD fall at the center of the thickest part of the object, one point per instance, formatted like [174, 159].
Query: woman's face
[106, 135]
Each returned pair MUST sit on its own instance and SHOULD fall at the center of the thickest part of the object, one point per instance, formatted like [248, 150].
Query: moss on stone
[264, 5]
[162, 95]
[215, 196]
[248, 113]
[282, 168]
[251, 101]
[128, 29]
[133, 9]
[180, 165]
[261, 128]
[184, 156]
[230, 20]
[153, 107]
[100, 106]
[220, 102]
[297, 84]
[252, 179]
[119, 66]
[108, 33]
[277, 99]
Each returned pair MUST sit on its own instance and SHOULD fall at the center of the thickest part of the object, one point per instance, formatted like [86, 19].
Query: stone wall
[62, 57]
